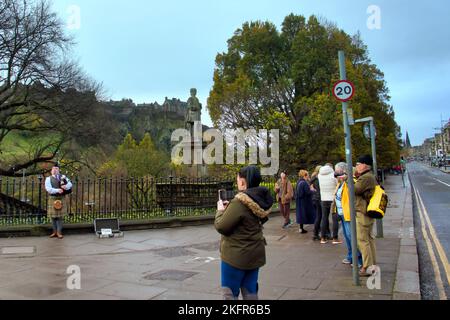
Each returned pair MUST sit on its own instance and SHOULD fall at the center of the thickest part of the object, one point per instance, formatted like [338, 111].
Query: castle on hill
[170, 106]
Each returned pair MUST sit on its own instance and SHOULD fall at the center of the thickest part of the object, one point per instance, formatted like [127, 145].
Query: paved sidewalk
[183, 263]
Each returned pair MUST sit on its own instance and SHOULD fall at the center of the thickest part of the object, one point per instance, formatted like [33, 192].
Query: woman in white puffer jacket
[328, 183]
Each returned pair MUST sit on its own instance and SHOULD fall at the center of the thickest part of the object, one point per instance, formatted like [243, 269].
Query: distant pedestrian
[316, 202]
[242, 247]
[341, 208]
[364, 189]
[403, 164]
[57, 186]
[303, 196]
[328, 184]
[284, 194]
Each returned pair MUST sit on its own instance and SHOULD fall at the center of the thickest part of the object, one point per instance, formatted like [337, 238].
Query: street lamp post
[371, 121]
[442, 138]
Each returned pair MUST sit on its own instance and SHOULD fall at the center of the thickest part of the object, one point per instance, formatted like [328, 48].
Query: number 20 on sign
[344, 91]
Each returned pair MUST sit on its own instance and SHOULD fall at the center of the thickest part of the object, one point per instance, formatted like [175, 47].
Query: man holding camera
[57, 186]
[364, 189]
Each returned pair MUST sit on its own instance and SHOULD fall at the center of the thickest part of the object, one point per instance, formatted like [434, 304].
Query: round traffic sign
[344, 90]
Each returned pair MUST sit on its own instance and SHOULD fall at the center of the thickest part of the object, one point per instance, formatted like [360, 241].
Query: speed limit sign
[344, 90]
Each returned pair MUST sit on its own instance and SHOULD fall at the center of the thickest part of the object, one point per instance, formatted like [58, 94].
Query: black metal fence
[24, 201]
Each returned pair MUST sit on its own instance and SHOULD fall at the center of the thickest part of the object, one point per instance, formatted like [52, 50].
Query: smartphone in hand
[223, 194]
[223, 202]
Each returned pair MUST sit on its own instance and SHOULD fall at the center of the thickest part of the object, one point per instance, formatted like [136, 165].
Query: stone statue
[194, 111]
[193, 123]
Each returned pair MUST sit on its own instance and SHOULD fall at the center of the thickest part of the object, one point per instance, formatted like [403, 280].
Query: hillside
[158, 120]
[109, 123]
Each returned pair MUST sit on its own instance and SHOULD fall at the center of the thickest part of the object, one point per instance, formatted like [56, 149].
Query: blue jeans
[346, 228]
[235, 279]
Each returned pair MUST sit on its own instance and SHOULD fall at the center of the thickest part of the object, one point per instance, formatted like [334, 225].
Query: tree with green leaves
[137, 160]
[271, 79]
[140, 163]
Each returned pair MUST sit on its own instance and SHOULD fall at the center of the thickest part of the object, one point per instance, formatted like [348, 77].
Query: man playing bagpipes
[57, 186]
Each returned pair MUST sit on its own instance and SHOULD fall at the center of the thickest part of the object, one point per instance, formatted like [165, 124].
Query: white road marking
[429, 184]
[448, 185]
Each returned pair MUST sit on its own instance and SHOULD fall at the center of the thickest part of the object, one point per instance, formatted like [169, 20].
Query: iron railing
[24, 201]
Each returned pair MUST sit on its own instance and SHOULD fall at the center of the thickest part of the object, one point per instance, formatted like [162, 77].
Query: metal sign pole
[351, 186]
[380, 233]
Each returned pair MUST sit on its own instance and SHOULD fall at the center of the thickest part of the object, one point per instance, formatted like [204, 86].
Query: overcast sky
[147, 50]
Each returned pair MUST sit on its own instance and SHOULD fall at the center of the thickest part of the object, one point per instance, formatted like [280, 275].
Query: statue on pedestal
[193, 112]
[193, 123]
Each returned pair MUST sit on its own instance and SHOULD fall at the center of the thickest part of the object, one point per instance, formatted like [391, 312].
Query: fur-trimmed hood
[258, 200]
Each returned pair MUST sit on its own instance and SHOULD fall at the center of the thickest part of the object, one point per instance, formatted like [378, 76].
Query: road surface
[432, 226]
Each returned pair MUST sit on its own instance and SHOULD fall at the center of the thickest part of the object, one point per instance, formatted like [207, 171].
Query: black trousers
[317, 223]
[325, 225]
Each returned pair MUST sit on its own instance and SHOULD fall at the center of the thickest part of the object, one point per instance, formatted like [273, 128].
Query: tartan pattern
[51, 212]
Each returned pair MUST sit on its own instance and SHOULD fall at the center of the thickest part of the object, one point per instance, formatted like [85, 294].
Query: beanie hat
[366, 159]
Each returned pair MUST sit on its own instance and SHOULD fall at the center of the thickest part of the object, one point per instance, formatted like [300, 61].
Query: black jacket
[315, 183]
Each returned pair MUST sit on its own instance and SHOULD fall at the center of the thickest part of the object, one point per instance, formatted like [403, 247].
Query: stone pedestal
[197, 169]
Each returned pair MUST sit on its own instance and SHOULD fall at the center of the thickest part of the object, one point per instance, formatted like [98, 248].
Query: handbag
[378, 204]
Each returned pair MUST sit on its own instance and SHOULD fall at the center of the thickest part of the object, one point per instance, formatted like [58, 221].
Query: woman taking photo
[242, 247]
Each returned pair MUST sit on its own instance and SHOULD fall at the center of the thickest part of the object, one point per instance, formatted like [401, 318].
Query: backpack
[378, 203]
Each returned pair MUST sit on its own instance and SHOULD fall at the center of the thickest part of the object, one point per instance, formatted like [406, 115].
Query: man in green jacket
[242, 247]
[364, 189]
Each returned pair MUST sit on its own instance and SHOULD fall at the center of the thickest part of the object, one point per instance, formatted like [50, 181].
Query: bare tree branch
[40, 89]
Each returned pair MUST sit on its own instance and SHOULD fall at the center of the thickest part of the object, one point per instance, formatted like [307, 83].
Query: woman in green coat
[242, 248]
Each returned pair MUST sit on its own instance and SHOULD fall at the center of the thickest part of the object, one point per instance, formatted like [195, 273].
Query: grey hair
[341, 167]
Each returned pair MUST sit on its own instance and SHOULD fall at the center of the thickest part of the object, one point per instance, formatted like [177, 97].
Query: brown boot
[53, 235]
[60, 236]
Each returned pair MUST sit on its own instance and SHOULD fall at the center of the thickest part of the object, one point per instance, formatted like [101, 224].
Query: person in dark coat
[317, 202]
[305, 209]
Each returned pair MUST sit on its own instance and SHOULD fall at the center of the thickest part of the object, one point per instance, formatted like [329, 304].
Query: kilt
[51, 212]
